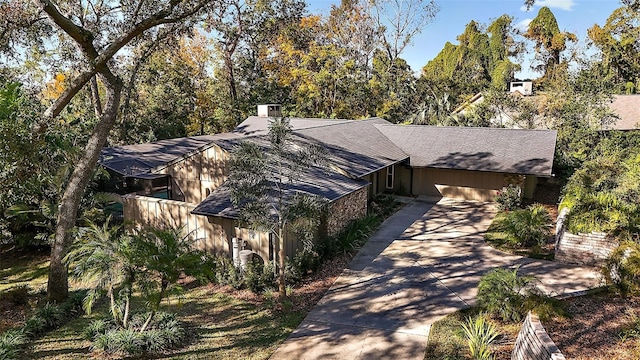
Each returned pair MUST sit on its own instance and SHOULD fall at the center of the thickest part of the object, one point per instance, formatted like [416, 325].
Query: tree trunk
[58, 285]
[95, 97]
[281, 285]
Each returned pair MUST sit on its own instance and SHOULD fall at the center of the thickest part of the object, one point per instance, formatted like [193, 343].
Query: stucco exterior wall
[345, 210]
[196, 176]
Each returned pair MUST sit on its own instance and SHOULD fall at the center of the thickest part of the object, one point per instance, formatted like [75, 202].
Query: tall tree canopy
[619, 42]
[89, 37]
[549, 41]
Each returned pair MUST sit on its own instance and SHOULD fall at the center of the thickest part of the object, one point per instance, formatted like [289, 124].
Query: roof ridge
[463, 127]
[343, 123]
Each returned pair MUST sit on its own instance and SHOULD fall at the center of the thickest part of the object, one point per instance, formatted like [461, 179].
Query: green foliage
[503, 293]
[480, 335]
[630, 331]
[226, 273]
[164, 333]
[10, 343]
[356, 233]
[150, 261]
[603, 195]
[509, 197]
[258, 276]
[528, 227]
[479, 61]
[623, 268]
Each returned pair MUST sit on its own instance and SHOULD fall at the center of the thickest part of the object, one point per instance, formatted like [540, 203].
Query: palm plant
[106, 260]
[166, 254]
[530, 226]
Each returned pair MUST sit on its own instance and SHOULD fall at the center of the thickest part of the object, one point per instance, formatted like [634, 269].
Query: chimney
[269, 110]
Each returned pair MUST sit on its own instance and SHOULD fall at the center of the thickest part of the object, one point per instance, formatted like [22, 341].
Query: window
[390, 175]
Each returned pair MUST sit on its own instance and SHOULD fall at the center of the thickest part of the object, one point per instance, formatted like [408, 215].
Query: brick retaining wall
[533, 342]
[582, 249]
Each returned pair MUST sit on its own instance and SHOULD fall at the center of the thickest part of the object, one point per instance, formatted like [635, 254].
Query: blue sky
[575, 16]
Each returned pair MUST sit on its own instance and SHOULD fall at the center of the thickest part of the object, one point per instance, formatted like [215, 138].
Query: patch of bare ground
[595, 327]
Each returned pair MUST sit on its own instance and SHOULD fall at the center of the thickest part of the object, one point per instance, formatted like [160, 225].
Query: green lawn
[27, 267]
[219, 326]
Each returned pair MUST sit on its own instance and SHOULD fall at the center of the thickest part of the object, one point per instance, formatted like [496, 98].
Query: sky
[575, 16]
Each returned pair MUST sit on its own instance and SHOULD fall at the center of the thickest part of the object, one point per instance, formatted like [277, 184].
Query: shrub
[623, 268]
[10, 343]
[502, 293]
[226, 273]
[257, 276]
[480, 335]
[165, 332]
[528, 227]
[509, 197]
[356, 233]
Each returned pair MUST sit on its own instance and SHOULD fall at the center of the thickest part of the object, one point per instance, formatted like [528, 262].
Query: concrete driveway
[424, 263]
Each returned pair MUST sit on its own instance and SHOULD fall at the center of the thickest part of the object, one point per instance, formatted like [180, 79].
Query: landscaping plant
[623, 268]
[502, 293]
[117, 265]
[509, 197]
[528, 227]
[480, 334]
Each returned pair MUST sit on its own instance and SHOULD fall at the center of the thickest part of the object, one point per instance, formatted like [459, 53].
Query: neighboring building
[180, 182]
[624, 110]
[627, 110]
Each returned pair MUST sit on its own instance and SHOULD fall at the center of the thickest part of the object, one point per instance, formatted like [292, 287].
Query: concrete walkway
[424, 263]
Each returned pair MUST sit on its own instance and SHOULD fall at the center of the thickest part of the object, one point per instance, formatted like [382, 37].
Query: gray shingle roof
[314, 181]
[132, 160]
[256, 125]
[627, 107]
[483, 149]
[357, 147]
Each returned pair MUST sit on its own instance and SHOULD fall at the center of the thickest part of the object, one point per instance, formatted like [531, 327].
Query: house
[623, 110]
[180, 182]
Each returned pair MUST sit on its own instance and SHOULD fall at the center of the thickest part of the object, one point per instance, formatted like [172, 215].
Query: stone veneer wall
[582, 249]
[345, 210]
[533, 342]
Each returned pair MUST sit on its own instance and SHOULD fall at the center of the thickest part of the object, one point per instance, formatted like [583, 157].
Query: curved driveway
[424, 263]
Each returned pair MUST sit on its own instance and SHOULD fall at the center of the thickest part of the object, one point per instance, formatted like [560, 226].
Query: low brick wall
[533, 342]
[583, 249]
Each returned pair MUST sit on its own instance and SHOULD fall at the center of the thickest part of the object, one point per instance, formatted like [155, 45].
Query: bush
[528, 227]
[164, 333]
[480, 335]
[258, 277]
[226, 273]
[509, 198]
[502, 293]
[10, 343]
[356, 233]
[623, 268]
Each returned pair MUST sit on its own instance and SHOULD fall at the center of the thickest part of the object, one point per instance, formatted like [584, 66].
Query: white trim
[390, 176]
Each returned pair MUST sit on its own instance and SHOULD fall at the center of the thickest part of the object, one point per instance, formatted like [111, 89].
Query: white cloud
[523, 25]
[556, 4]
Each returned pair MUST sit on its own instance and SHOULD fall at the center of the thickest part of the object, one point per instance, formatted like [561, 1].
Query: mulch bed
[593, 331]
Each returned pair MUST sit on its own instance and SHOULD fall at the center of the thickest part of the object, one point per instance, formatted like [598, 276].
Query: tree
[262, 180]
[98, 33]
[619, 42]
[549, 41]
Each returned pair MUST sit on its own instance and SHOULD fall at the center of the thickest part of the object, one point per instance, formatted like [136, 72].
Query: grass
[219, 326]
[498, 239]
[447, 339]
[23, 267]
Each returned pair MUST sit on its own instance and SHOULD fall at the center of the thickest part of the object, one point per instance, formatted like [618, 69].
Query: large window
[390, 176]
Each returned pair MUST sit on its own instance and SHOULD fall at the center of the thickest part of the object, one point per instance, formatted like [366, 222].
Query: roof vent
[269, 110]
[523, 87]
